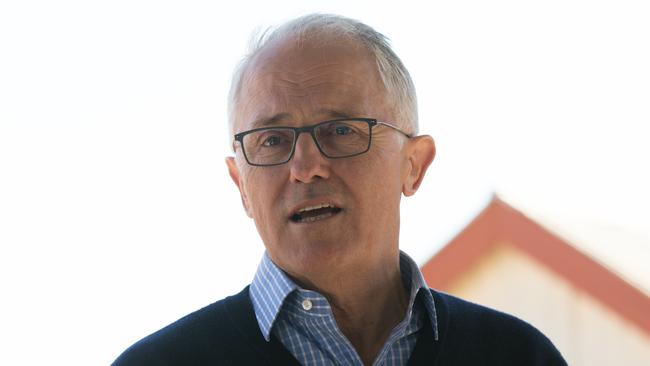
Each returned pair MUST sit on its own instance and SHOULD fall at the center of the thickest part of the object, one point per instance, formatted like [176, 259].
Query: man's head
[323, 28]
[315, 69]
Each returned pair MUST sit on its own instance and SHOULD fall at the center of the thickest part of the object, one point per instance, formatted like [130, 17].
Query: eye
[342, 130]
[272, 141]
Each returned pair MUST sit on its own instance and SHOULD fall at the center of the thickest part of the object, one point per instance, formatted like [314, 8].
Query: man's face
[296, 85]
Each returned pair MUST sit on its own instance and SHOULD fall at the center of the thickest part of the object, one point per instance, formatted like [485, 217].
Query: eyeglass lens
[335, 139]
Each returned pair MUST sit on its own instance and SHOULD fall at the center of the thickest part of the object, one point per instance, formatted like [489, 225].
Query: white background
[117, 215]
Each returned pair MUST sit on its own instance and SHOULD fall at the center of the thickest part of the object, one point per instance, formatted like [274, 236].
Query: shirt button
[306, 304]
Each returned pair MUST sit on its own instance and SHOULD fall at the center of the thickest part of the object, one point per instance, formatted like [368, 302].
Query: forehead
[294, 80]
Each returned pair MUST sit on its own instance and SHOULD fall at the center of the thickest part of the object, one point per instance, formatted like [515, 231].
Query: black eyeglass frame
[239, 137]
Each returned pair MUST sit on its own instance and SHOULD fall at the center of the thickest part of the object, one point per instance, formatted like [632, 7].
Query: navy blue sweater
[226, 333]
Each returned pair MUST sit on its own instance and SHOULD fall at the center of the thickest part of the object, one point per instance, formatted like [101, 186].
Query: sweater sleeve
[193, 340]
[476, 335]
[223, 333]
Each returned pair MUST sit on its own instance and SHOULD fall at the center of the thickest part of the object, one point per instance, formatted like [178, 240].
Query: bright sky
[117, 215]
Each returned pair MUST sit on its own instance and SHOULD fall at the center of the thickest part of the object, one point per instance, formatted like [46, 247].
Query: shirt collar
[411, 274]
[271, 286]
[268, 290]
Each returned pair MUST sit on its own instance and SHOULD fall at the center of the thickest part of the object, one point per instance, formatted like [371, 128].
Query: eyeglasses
[335, 139]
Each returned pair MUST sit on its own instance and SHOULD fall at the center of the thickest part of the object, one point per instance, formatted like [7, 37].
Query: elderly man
[324, 120]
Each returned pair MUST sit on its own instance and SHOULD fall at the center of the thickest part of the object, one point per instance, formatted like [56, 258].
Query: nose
[307, 163]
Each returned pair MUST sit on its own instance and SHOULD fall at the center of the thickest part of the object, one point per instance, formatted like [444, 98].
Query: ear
[233, 170]
[420, 151]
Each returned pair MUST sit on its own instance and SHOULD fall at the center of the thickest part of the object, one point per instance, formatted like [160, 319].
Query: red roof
[500, 223]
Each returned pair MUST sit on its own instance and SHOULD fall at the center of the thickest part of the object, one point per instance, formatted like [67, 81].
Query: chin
[308, 255]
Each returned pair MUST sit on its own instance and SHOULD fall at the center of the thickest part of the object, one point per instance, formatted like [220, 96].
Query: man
[324, 120]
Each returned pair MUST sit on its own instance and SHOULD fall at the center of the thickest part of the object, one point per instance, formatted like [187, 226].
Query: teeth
[309, 208]
[316, 218]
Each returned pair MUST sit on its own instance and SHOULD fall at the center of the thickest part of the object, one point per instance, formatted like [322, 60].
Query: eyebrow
[335, 113]
[264, 121]
[280, 117]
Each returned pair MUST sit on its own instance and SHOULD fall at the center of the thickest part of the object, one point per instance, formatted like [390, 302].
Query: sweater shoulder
[196, 338]
[478, 332]
[485, 320]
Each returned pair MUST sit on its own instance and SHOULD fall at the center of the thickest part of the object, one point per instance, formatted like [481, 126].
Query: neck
[367, 305]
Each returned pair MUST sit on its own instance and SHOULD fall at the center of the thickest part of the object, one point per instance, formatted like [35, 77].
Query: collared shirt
[303, 321]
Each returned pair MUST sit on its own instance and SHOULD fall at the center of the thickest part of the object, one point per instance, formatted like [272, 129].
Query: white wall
[586, 332]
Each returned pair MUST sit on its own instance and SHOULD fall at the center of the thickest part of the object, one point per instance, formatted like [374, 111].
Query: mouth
[315, 213]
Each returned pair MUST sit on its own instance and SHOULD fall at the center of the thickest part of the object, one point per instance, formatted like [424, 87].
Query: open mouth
[315, 213]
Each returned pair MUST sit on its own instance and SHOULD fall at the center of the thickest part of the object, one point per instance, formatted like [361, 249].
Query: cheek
[375, 178]
[262, 188]
[383, 164]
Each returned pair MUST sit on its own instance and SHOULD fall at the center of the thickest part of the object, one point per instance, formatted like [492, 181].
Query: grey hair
[395, 77]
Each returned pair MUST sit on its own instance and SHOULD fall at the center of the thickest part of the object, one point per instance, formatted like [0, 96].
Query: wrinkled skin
[294, 84]
[353, 256]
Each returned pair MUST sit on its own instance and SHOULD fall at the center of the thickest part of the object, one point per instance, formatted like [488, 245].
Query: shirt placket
[315, 314]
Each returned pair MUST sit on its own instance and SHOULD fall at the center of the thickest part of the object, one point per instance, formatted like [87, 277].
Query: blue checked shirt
[303, 322]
